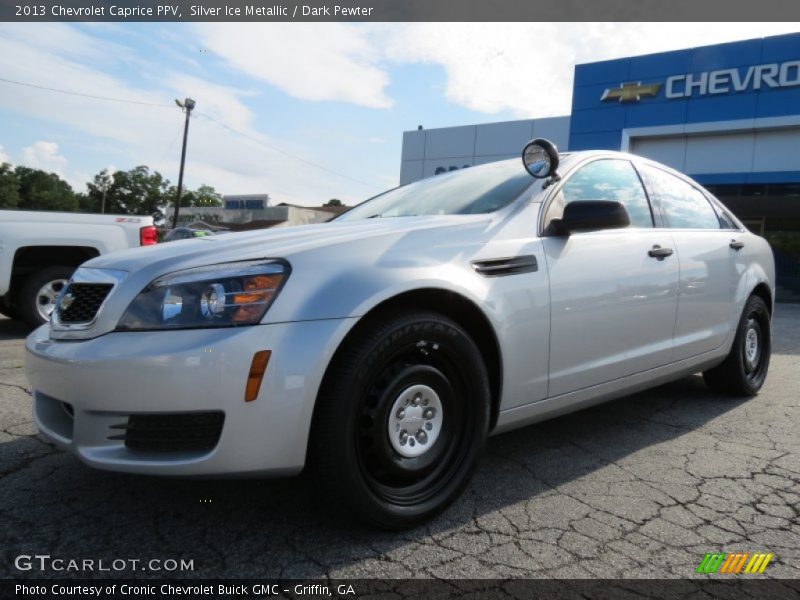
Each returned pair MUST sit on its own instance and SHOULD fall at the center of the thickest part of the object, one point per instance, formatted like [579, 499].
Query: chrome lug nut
[421, 436]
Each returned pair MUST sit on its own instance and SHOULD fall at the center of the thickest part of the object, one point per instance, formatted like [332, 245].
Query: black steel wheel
[402, 418]
[744, 370]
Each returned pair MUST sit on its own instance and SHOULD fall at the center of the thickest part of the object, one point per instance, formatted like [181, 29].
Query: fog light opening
[257, 368]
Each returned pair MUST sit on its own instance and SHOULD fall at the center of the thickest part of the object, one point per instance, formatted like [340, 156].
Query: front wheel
[402, 418]
[744, 370]
[36, 298]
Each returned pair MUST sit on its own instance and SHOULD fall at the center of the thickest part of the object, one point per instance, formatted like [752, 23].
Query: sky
[304, 112]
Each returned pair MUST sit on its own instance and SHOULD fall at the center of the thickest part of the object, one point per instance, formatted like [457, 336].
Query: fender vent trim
[498, 267]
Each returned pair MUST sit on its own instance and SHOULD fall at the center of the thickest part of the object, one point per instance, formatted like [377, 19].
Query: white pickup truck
[40, 250]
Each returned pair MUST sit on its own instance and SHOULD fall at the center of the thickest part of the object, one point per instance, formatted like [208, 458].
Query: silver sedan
[382, 348]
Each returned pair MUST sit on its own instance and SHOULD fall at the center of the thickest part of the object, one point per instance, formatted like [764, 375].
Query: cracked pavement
[641, 487]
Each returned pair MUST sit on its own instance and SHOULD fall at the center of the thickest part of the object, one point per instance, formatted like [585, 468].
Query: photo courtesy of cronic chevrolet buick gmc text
[383, 347]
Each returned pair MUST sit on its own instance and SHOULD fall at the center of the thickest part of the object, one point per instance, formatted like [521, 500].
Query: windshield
[475, 190]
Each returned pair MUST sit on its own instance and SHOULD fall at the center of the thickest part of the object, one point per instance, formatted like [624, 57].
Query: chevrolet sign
[631, 92]
[722, 81]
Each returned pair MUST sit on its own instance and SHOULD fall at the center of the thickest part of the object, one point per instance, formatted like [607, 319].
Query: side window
[684, 206]
[725, 219]
[605, 179]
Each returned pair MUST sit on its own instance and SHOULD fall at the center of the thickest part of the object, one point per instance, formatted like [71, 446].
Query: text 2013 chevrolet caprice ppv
[383, 347]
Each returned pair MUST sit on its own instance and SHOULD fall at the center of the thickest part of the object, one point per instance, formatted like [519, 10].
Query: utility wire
[205, 116]
[70, 93]
[279, 151]
[163, 156]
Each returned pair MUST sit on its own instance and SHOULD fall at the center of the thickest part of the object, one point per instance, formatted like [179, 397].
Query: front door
[613, 301]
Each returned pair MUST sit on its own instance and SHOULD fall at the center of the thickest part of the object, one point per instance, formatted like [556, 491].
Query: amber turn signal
[256, 374]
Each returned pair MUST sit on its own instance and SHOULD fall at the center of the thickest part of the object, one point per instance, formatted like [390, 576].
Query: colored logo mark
[734, 563]
[631, 92]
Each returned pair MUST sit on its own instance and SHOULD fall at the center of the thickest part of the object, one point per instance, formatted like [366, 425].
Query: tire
[7, 310]
[30, 299]
[745, 368]
[414, 362]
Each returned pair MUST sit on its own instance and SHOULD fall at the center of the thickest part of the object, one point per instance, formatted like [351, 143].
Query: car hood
[367, 258]
[283, 242]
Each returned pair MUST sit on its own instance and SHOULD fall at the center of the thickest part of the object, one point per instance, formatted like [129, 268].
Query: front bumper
[83, 388]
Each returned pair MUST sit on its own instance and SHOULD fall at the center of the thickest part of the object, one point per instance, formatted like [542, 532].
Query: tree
[93, 200]
[39, 190]
[134, 192]
[206, 195]
[85, 203]
[9, 187]
[187, 198]
[333, 202]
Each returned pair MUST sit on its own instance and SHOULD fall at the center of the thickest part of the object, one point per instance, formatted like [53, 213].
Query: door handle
[736, 244]
[659, 252]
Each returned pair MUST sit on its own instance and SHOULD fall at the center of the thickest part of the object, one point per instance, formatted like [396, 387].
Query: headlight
[224, 295]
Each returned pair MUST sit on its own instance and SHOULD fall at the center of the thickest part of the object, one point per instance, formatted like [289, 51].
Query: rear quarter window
[683, 205]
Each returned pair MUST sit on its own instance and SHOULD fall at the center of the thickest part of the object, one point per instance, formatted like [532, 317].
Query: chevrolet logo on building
[631, 92]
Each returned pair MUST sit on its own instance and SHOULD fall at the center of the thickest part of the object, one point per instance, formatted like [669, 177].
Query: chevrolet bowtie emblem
[67, 301]
[631, 92]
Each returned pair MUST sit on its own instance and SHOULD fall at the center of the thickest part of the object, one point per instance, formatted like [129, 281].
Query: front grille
[171, 432]
[81, 301]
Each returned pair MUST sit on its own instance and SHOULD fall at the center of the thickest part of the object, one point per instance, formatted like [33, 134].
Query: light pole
[187, 105]
[103, 202]
[108, 181]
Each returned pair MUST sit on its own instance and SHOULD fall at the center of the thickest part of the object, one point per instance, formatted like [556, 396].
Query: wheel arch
[453, 305]
[28, 259]
[762, 291]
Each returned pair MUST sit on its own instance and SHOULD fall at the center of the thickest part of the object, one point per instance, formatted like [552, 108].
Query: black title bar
[733, 588]
[400, 10]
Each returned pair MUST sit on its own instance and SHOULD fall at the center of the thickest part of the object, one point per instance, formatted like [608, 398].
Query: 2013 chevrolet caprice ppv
[383, 347]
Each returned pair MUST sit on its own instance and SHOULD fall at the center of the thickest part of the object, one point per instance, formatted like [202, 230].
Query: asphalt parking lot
[640, 487]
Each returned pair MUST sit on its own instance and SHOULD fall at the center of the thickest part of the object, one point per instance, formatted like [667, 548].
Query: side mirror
[591, 215]
[540, 158]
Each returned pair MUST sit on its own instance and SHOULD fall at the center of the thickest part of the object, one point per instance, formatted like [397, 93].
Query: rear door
[708, 262]
[613, 304]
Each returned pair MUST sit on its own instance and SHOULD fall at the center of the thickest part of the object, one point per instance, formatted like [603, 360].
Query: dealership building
[728, 115]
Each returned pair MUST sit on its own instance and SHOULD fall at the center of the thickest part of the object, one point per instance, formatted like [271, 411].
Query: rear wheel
[744, 370]
[36, 298]
[402, 418]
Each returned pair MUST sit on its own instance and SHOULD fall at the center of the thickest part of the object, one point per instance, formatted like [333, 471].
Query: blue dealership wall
[600, 124]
